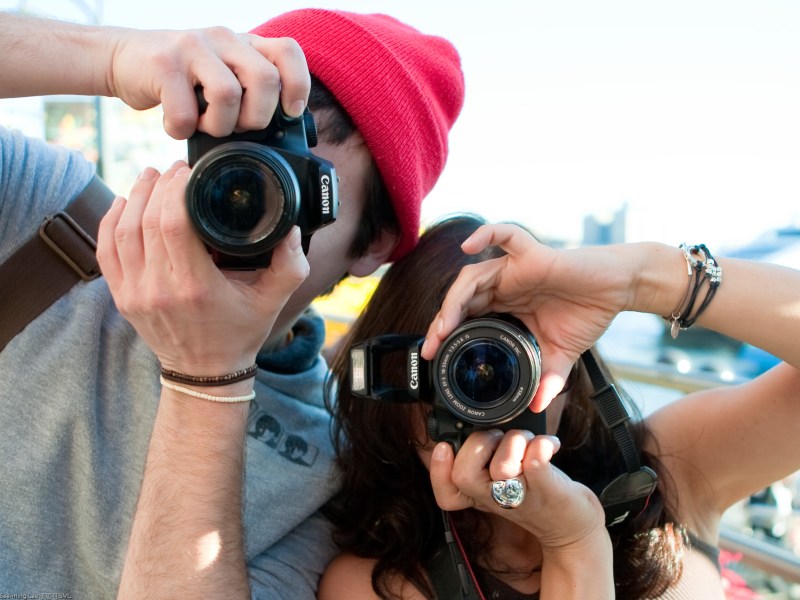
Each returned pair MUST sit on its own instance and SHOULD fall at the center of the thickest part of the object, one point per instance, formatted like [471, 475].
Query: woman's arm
[719, 445]
[724, 444]
[568, 298]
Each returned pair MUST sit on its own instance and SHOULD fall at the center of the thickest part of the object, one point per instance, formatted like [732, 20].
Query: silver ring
[508, 493]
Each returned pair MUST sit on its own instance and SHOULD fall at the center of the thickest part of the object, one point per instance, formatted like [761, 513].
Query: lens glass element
[244, 202]
[484, 372]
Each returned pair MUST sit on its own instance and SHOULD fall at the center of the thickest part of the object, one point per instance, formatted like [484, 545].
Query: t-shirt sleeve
[36, 178]
[293, 566]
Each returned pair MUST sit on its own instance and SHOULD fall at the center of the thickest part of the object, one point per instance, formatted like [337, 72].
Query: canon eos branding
[325, 189]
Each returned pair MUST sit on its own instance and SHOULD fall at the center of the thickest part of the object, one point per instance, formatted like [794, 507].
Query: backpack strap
[54, 259]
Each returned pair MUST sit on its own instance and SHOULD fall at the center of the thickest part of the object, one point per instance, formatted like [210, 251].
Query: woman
[387, 513]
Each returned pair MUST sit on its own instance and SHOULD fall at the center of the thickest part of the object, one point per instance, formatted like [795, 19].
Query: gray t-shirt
[78, 396]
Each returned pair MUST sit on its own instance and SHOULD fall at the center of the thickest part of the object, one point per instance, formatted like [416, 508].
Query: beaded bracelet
[700, 270]
[206, 380]
[203, 396]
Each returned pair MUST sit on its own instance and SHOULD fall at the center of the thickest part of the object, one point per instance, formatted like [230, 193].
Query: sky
[687, 111]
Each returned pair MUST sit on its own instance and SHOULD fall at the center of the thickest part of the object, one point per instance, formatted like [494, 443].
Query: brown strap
[54, 259]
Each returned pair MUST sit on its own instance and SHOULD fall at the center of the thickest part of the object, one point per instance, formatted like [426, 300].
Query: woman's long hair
[386, 509]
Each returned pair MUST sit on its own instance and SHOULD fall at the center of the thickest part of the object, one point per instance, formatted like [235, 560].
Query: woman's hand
[567, 299]
[197, 319]
[559, 512]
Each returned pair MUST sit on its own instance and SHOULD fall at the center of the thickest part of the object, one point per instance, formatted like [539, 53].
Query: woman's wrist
[660, 278]
[580, 570]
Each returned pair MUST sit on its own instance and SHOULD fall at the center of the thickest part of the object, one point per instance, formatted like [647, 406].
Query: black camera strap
[628, 494]
[60, 254]
[612, 411]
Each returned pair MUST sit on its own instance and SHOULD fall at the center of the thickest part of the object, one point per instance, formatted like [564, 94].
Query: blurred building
[600, 231]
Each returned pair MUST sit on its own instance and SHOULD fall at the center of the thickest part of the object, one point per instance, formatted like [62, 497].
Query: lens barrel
[488, 370]
[243, 198]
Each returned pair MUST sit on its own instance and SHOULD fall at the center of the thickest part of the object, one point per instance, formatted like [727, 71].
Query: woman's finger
[507, 460]
[447, 494]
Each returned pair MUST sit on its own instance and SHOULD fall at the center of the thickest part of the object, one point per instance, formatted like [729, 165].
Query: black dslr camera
[484, 376]
[248, 189]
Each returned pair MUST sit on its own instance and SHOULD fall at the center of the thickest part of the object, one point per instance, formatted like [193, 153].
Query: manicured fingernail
[424, 346]
[439, 452]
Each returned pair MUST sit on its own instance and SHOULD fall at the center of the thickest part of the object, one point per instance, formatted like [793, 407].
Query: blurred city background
[591, 123]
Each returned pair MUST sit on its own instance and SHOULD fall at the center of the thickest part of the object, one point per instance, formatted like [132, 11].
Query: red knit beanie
[402, 88]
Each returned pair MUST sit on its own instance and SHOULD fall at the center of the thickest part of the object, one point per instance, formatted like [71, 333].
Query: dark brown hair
[386, 508]
[336, 127]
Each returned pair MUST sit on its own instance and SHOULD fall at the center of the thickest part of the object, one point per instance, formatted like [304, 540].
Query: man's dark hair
[336, 128]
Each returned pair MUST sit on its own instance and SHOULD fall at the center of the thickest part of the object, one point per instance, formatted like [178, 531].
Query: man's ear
[378, 253]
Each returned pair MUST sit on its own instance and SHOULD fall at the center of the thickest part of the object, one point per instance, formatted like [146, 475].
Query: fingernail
[469, 238]
[294, 240]
[440, 451]
[439, 325]
[148, 174]
[424, 346]
[297, 108]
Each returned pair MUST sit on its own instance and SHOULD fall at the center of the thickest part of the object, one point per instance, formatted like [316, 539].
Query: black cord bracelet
[701, 267]
[712, 273]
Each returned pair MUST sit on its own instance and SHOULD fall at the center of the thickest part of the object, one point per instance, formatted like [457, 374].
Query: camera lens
[487, 370]
[244, 201]
[484, 372]
[242, 198]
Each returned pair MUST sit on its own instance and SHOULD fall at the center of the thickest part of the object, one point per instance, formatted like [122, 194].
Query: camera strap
[456, 575]
[60, 254]
[628, 494]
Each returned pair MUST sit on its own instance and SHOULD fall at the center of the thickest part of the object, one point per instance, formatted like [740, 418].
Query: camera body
[248, 189]
[484, 376]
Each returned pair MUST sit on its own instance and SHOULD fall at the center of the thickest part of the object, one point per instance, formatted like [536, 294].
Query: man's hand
[242, 76]
[196, 318]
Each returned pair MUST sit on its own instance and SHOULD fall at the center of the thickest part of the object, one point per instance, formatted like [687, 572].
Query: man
[99, 456]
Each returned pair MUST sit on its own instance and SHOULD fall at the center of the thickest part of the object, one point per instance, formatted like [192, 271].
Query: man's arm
[145, 68]
[187, 531]
[45, 56]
